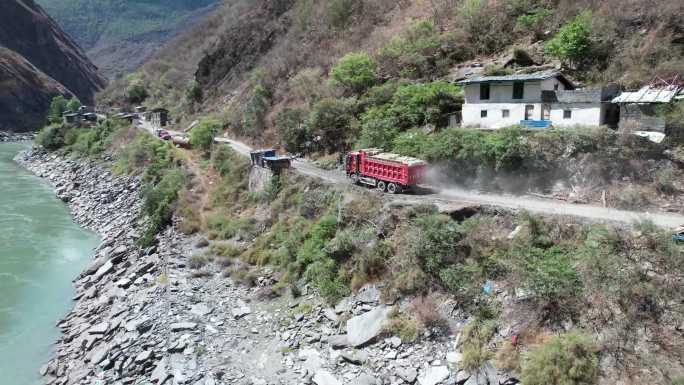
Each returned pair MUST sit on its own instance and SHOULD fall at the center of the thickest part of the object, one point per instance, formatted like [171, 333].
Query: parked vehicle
[678, 235]
[163, 134]
[270, 160]
[385, 171]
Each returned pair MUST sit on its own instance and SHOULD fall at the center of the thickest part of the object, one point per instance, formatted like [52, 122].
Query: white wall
[494, 119]
[503, 92]
[586, 114]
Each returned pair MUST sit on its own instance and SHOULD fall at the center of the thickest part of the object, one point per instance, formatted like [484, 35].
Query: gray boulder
[364, 328]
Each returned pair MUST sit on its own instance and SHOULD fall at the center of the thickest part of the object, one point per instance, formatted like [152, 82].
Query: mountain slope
[120, 35]
[22, 81]
[38, 61]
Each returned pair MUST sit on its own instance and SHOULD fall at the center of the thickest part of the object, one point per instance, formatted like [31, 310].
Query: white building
[537, 100]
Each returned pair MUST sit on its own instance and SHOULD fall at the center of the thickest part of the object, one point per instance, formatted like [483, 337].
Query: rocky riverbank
[16, 137]
[145, 316]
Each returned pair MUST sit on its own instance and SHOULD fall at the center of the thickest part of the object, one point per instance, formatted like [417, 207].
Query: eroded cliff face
[38, 61]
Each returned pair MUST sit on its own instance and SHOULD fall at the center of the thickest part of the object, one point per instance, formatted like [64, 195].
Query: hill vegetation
[120, 35]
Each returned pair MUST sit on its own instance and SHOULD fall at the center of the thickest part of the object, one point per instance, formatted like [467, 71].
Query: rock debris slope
[144, 316]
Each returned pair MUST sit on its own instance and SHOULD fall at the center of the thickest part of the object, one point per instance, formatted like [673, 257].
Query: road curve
[461, 197]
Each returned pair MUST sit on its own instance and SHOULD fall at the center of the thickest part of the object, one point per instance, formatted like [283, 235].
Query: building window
[555, 87]
[483, 113]
[505, 113]
[484, 91]
[567, 114]
[518, 90]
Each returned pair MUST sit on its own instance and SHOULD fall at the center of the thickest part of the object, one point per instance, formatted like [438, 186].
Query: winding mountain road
[459, 198]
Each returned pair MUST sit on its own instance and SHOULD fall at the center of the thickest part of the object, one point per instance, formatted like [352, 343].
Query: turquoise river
[41, 251]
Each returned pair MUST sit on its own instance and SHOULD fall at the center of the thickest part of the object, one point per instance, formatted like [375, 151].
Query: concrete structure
[536, 100]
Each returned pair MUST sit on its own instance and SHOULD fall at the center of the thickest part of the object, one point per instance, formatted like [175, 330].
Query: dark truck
[270, 160]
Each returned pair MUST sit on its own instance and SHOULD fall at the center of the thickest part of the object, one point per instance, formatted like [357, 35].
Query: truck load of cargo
[387, 172]
[270, 160]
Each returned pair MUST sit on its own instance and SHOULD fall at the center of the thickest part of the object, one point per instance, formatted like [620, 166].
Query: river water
[41, 251]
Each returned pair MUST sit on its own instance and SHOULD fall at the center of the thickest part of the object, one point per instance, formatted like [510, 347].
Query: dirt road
[459, 197]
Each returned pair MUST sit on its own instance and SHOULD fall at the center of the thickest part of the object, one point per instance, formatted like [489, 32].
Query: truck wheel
[381, 186]
[354, 178]
[392, 188]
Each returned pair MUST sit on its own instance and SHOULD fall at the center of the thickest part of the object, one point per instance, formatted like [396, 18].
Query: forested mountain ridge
[119, 35]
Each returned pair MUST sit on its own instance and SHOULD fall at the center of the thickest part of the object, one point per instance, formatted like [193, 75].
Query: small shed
[640, 110]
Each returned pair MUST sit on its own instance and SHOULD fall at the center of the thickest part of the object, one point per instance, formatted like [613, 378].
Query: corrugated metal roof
[649, 94]
[540, 75]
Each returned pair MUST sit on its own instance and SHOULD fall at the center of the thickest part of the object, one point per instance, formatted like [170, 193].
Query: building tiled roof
[535, 76]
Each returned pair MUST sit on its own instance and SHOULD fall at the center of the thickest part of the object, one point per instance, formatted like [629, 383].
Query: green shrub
[474, 344]
[486, 26]
[223, 227]
[436, 241]
[160, 200]
[93, 140]
[551, 275]
[414, 53]
[631, 198]
[573, 42]
[402, 325]
[147, 155]
[203, 134]
[665, 180]
[534, 21]
[198, 261]
[51, 137]
[355, 72]
[569, 359]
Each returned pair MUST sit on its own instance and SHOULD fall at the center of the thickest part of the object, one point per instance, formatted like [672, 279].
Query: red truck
[388, 172]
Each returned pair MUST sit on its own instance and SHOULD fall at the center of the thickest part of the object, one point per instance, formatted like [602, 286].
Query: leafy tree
[203, 134]
[569, 359]
[74, 104]
[332, 123]
[57, 107]
[136, 93]
[573, 41]
[193, 93]
[355, 72]
[411, 105]
[255, 110]
[292, 129]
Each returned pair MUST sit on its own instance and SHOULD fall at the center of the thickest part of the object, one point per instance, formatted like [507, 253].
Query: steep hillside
[25, 93]
[39, 59]
[121, 35]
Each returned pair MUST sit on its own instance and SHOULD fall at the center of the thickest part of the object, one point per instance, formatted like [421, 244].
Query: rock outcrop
[38, 61]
